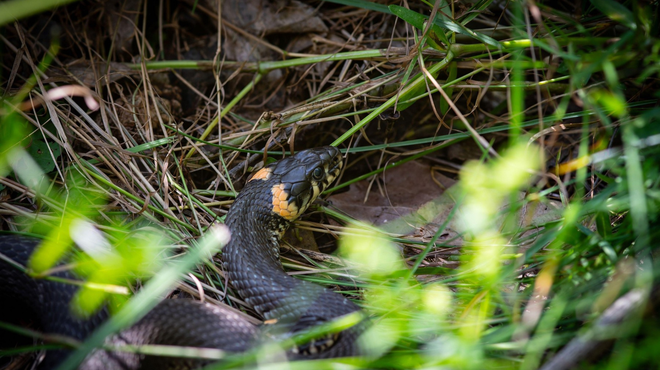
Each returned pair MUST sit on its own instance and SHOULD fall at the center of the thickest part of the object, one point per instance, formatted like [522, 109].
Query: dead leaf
[265, 17]
[88, 73]
[119, 15]
[416, 206]
[300, 239]
[413, 203]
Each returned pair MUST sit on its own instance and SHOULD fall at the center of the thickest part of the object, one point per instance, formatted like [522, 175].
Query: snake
[271, 199]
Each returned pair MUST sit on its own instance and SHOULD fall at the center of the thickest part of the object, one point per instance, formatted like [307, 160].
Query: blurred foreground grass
[521, 293]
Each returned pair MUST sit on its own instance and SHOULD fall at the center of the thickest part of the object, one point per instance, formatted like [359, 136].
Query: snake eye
[318, 173]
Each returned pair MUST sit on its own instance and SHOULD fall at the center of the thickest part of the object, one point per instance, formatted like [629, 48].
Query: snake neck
[254, 243]
[251, 258]
[252, 261]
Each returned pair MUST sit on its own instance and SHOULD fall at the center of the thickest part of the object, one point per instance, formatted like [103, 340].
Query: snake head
[299, 179]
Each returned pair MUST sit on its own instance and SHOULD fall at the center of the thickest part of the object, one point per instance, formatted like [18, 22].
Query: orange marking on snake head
[281, 205]
[262, 174]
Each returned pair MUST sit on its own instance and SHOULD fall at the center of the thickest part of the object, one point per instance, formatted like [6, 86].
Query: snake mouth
[334, 170]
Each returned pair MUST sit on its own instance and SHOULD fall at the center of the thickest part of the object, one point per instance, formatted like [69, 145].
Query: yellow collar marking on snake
[262, 174]
[281, 205]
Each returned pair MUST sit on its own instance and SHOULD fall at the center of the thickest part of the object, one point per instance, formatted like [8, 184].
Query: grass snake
[272, 198]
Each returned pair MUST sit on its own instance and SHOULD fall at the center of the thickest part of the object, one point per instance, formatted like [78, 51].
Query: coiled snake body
[274, 196]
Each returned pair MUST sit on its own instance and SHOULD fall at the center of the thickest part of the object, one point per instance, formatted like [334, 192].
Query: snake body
[271, 199]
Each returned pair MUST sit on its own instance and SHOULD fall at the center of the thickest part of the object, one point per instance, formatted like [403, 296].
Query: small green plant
[560, 100]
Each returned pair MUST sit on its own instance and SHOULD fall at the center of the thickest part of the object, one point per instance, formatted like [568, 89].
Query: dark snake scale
[271, 199]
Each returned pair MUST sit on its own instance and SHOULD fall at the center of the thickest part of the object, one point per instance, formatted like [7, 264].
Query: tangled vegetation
[133, 123]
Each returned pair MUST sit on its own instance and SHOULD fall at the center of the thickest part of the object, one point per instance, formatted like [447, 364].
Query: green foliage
[44, 154]
[107, 267]
[12, 10]
[135, 255]
[406, 311]
[436, 36]
[521, 290]
[12, 132]
[616, 12]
